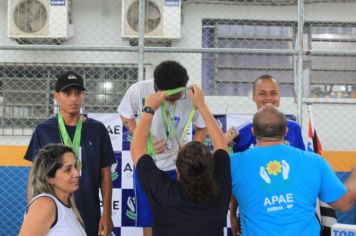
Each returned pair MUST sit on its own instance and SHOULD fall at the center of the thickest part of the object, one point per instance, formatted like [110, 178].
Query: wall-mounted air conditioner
[32, 21]
[162, 19]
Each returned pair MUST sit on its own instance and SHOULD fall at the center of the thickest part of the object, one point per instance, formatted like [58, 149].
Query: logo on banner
[128, 207]
[113, 126]
[113, 130]
[127, 170]
[131, 208]
[126, 138]
[116, 171]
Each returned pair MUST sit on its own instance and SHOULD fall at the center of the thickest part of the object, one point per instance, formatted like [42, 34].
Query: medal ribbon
[170, 92]
[75, 145]
[150, 147]
[167, 119]
[186, 126]
[168, 123]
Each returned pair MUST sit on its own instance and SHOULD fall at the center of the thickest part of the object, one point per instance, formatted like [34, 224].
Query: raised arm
[200, 134]
[217, 137]
[140, 136]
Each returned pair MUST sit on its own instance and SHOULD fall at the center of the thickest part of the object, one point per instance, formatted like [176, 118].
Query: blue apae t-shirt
[277, 187]
[96, 153]
[245, 140]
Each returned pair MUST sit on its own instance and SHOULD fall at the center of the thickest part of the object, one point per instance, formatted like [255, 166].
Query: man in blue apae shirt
[265, 91]
[277, 185]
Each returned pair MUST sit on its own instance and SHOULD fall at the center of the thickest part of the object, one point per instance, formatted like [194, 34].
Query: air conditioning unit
[36, 21]
[162, 19]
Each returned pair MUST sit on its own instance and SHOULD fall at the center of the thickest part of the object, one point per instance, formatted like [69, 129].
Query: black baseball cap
[69, 79]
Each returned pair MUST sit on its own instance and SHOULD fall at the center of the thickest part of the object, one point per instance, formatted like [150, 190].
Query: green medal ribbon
[168, 123]
[150, 147]
[171, 92]
[167, 119]
[75, 145]
[190, 117]
[186, 126]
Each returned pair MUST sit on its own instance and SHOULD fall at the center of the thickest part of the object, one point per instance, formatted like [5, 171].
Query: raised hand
[154, 100]
[197, 96]
[159, 144]
[231, 134]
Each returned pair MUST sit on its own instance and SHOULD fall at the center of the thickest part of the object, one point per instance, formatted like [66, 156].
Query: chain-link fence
[13, 185]
[310, 48]
[225, 45]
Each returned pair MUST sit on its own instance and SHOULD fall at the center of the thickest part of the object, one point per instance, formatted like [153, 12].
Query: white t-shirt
[132, 104]
[67, 223]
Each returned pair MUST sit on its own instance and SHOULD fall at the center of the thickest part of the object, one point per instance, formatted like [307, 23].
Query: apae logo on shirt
[275, 176]
[274, 168]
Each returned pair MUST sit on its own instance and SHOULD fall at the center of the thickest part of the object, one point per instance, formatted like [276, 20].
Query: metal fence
[308, 46]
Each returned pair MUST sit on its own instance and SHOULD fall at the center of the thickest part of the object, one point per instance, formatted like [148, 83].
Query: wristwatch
[148, 110]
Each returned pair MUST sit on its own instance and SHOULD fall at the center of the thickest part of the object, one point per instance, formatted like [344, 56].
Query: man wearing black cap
[91, 143]
[169, 126]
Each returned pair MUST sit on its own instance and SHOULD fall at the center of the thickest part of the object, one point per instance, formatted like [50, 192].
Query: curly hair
[170, 75]
[195, 165]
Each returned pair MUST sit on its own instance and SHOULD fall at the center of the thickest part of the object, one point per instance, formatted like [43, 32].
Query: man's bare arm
[140, 136]
[217, 137]
[234, 220]
[345, 202]
[200, 134]
[130, 124]
[105, 223]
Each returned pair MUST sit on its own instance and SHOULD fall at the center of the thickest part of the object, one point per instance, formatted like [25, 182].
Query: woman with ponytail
[195, 166]
[197, 202]
[52, 210]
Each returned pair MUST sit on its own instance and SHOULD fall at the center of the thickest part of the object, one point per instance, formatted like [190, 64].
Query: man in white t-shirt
[169, 126]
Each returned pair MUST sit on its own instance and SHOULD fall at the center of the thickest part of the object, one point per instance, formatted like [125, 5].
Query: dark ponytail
[195, 165]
